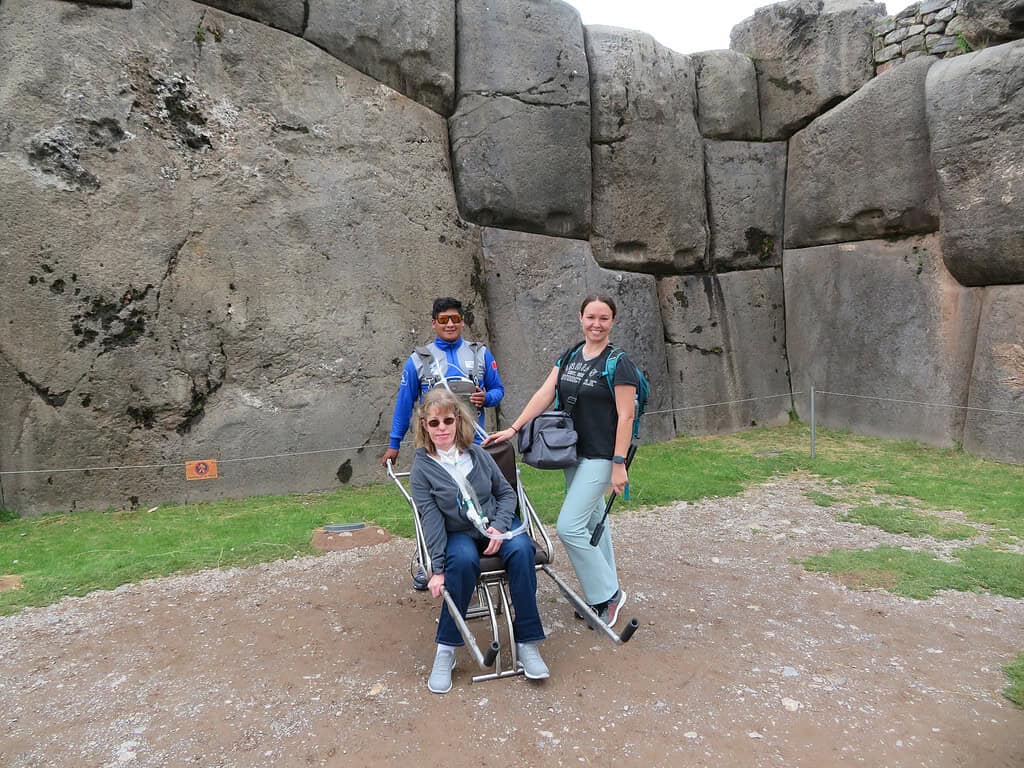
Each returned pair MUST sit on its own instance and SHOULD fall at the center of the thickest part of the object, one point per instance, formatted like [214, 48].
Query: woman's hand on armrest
[435, 584]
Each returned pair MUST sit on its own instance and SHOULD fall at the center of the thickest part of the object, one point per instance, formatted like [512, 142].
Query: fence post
[812, 421]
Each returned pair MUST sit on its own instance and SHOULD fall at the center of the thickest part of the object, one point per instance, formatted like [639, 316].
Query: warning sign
[201, 470]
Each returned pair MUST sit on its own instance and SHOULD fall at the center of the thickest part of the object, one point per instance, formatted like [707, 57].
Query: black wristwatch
[618, 459]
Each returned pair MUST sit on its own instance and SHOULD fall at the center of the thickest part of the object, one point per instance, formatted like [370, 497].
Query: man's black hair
[445, 302]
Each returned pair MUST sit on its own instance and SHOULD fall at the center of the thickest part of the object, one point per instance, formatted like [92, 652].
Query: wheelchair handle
[492, 654]
[628, 630]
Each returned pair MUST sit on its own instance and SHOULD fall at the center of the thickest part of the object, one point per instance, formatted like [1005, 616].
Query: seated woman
[445, 457]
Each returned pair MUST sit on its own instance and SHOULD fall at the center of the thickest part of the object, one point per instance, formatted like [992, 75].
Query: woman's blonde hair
[445, 402]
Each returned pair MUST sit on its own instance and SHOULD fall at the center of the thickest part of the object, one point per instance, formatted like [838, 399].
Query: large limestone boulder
[649, 209]
[727, 95]
[995, 422]
[979, 161]
[862, 170]
[199, 266]
[409, 46]
[534, 288]
[809, 55]
[726, 340]
[876, 322]
[746, 189]
[520, 134]
[289, 15]
[989, 22]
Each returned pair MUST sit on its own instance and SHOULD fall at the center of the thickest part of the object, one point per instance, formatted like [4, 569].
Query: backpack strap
[562, 361]
[479, 351]
[609, 366]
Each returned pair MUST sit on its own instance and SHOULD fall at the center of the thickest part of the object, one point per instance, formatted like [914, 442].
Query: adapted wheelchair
[492, 597]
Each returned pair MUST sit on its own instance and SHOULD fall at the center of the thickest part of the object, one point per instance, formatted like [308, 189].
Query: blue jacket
[411, 389]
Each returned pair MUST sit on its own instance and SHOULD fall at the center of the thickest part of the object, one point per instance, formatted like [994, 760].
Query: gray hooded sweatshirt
[442, 509]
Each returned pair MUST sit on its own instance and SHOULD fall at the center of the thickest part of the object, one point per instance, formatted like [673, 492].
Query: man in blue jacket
[448, 357]
[464, 365]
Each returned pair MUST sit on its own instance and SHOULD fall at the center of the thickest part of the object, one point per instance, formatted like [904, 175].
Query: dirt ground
[742, 659]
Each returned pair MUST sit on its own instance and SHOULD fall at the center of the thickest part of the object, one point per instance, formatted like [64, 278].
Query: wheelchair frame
[492, 589]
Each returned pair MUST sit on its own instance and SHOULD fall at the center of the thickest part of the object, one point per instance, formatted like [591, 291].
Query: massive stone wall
[224, 223]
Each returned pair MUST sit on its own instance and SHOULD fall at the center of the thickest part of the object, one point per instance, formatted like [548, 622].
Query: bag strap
[562, 362]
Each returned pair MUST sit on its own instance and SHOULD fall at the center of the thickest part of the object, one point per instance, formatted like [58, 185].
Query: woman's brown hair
[445, 402]
[603, 298]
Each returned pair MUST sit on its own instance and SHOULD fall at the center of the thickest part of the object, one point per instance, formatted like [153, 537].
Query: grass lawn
[1015, 690]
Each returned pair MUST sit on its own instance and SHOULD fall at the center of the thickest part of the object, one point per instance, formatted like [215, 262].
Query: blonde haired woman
[445, 459]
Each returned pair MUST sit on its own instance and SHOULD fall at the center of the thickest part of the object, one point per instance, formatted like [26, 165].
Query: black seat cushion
[493, 562]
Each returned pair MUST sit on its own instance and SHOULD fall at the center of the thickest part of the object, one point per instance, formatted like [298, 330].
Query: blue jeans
[462, 569]
[581, 512]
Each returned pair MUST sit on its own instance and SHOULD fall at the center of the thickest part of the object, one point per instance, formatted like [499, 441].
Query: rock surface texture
[727, 96]
[876, 321]
[746, 189]
[726, 340]
[980, 162]
[997, 382]
[289, 15]
[879, 180]
[809, 54]
[520, 134]
[534, 288]
[412, 49]
[649, 208]
[226, 270]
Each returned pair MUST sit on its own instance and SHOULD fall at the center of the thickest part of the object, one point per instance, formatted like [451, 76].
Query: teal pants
[581, 511]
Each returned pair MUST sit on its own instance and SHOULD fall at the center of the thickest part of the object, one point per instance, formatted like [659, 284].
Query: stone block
[878, 321]
[946, 13]
[943, 44]
[882, 69]
[862, 170]
[288, 15]
[211, 281]
[997, 381]
[809, 55]
[933, 29]
[413, 51]
[520, 132]
[726, 95]
[746, 191]
[888, 53]
[979, 163]
[726, 340]
[912, 44]
[932, 6]
[534, 288]
[896, 36]
[648, 156]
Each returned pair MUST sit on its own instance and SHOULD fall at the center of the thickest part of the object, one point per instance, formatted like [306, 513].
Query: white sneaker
[440, 680]
[530, 661]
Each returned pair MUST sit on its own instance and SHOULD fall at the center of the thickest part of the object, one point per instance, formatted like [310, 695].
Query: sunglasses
[435, 423]
[445, 319]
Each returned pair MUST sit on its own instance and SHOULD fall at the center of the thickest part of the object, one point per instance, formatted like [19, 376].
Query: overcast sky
[686, 27]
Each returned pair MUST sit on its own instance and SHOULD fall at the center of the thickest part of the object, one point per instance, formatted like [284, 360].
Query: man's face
[448, 324]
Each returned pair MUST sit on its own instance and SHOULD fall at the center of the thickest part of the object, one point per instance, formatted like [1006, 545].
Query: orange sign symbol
[205, 469]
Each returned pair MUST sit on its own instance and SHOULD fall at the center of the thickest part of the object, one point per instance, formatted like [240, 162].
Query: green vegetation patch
[920, 574]
[821, 499]
[908, 522]
[1015, 674]
[73, 554]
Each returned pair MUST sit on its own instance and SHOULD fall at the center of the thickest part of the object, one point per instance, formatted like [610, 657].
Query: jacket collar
[447, 346]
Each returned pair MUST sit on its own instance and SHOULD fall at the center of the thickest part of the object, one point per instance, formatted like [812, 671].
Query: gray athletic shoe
[613, 610]
[440, 680]
[531, 662]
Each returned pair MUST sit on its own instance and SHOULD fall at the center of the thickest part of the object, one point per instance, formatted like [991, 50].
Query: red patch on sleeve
[494, 364]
